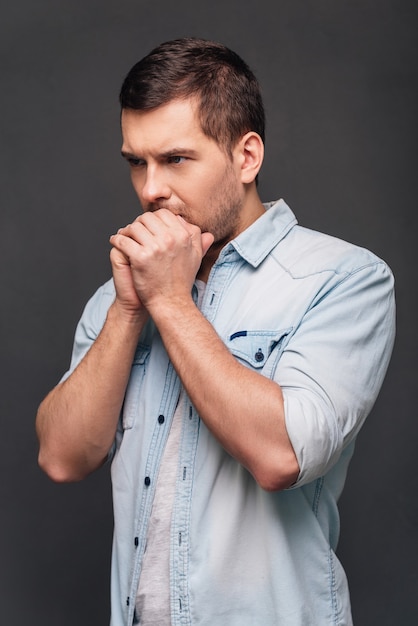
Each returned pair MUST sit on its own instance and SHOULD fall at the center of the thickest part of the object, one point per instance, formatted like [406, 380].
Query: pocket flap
[255, 346]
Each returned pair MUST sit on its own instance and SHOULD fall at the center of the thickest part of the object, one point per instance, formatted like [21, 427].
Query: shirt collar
[258, 240]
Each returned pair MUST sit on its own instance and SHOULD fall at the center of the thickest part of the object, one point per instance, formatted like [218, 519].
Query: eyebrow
[128, 155]
[164, 155]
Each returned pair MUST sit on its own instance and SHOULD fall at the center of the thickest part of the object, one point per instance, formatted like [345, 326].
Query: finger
[118, 258]
[157, 221]
[207, 241]
[126, 245]
[138, 232]
[187, 225]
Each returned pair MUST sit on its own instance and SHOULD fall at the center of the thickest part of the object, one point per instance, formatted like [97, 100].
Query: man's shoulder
[306, 251]
[107, 289]
[104, 295]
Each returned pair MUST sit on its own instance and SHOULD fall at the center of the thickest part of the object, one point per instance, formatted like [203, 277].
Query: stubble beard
[222, 211]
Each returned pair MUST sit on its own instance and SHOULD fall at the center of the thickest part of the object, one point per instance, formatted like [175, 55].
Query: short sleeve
[90, 324]
[333, 367]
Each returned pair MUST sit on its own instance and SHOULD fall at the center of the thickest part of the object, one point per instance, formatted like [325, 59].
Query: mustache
[155, 207]
[176, 210]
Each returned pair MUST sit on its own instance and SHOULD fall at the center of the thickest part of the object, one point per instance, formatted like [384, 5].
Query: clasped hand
[155, 259]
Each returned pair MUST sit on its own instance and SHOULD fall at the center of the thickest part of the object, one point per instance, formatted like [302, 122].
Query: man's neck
[212, 254]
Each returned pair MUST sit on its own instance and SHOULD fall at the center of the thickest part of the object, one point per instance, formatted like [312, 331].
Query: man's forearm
[77, 421]
[243, 409]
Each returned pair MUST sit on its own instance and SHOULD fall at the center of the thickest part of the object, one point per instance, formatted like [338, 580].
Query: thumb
[207, 241]
[118, 259]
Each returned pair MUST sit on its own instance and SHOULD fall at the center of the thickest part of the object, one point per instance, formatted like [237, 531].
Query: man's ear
[250, 154]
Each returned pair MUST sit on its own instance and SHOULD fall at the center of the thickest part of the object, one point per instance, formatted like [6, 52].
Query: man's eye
[176, 159]
[133, 161]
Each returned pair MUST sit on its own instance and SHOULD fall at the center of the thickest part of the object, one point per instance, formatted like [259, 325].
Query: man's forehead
[163, 129]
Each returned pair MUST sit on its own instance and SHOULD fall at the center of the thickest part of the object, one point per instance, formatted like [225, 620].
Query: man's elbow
[59, 471]
[277, 476]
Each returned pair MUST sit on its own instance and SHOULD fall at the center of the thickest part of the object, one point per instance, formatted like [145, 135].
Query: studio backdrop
[339, 84]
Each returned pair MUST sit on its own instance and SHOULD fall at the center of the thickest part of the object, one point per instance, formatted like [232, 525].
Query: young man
[226, 369]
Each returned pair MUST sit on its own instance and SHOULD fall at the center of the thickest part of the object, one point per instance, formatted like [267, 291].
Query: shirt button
[259, 356]
[161, 419]
[147, 481]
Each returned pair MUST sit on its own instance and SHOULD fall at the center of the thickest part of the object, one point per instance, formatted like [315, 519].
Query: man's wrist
[125, 316]
[171, 308]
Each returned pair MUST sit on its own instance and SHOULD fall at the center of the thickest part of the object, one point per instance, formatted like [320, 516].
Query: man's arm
[243, 409]
[77, 421]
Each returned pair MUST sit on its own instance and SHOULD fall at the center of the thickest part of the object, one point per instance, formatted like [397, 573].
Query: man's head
[227, 92]
[192, 127]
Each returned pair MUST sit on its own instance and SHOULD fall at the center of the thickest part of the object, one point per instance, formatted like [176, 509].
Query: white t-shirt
[153, 596]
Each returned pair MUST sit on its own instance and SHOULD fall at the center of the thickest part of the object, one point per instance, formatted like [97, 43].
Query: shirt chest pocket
[258, 349]
[131, 403]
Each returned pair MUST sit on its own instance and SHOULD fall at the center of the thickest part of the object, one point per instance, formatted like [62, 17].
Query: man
[226, 369]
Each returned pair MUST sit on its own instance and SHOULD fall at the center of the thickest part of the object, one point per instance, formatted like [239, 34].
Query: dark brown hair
[227, 91]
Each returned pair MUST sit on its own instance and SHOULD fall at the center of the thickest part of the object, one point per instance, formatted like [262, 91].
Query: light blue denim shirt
[315, 314]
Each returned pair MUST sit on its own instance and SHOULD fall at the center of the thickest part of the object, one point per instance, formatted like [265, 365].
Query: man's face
[175, 166]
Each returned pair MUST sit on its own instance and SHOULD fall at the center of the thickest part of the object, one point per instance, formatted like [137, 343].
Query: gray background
[339, 82]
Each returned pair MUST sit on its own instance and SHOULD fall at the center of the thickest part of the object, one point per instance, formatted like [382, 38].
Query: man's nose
[155, 186]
